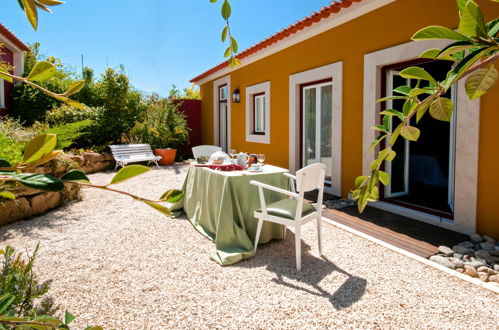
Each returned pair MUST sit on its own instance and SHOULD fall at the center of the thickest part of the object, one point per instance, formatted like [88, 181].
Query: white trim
[335, 72]
[216, 109]
[2, 94]
[18, 55]
[467, 131]
[250, 91]
[357, 9]
[475, 281]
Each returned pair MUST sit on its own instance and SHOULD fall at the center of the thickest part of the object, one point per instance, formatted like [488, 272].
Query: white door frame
[467, 134]
[216, 111]
[332, 71]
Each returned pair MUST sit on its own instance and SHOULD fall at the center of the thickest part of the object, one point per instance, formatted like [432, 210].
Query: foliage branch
[475, 50]
[233, 47]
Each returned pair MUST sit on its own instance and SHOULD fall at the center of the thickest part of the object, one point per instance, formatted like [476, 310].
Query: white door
[317, 126]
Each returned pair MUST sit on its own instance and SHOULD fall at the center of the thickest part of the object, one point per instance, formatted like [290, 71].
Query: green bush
[18, 280]
[10, 150]
[163, 126]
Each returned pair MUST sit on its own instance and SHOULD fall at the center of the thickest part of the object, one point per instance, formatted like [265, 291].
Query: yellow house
[307, 94]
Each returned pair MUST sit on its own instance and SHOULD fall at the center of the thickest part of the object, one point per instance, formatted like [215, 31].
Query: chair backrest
[130, 150]
[204, 150]
[310, 177]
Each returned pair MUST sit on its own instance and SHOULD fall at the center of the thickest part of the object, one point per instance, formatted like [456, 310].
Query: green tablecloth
[221, 206]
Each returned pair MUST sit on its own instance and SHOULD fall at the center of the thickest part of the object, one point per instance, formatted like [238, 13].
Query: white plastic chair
[204, 150]
[294, 212]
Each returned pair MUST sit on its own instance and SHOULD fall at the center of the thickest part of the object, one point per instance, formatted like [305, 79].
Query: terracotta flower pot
[167, 155]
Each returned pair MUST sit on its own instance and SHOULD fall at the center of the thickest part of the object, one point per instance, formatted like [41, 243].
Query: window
[2, 94]
[223, 117]
[258, 113]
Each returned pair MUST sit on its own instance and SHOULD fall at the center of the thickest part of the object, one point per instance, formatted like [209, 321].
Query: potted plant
[164, 128]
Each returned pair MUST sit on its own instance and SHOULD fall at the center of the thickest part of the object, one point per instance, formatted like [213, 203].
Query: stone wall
[31, 202]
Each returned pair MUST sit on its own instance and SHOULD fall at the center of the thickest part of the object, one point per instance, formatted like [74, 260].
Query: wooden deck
[411, 235]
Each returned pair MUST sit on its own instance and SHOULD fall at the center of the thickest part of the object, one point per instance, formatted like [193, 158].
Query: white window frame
[216, 125]
[332, 71]
[250, 92]
[467, 136]
[2, 94]
[261, 121]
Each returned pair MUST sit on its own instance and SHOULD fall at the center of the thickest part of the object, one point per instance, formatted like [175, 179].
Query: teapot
[242, 159]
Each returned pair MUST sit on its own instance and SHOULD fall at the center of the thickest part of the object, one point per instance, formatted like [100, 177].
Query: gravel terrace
[121, 264]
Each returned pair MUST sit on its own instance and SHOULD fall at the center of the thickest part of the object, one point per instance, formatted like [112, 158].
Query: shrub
[18, 280]
[10, 150]
[163, 126]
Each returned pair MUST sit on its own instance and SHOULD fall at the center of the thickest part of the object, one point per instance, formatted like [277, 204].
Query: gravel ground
[120, 264]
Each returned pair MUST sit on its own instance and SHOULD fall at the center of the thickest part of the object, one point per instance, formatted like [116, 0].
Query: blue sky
[160, 42]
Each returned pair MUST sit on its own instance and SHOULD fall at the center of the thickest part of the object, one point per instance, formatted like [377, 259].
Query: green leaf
[380, 128]
[422, 108]
[228, 52]
[493, 27]
[38, 147]
[437, 32]
[233, 44]
[462, 66]
[392, 98]
[68, 318]
[384, 178]
[418, 91]
[377, 141]
[409, 106]
[360, 180]
[461, 4]
[76, 176]
[7, 195]
[69, 101]
[404, 90]
[4, 163]
[75, 87]
[42, 71]
[128, 172]
[390, 155]
[159, 207]
[31, 12]
[226, 10]
[44, 159]
[395, 134]
[224, 33]
[415, 72]
[393, 112]
[441, 108]
[430, 53]
[99, 327]
[237, 62]
[480, 81]
[4, 77]
[44, 182]
[472, 23]
[410, 133]
[172, 196]
[5, 301]
[51, 2]
[455, 47]
[213, 1]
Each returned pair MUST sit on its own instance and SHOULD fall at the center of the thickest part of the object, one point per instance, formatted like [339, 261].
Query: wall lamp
[236, 96]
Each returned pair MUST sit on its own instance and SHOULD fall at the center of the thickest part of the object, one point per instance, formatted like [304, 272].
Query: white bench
[132, 153]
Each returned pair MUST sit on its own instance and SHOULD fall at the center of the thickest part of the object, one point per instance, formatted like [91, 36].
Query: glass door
[223, 118]
[317, 125]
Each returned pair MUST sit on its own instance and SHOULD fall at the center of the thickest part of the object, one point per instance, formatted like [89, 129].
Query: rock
[494, 253]
[14, 210]
[458, 263]
[474, 264]
[443, 261]
[458, 255]
[487, 246]
[476, 238]
[467, 244]
[473, 259]
[108, 156]
[488, 239]
[22, 191]
[101, 166]
[447, 251]
[483, 276]
[470, 270]
[461, 249]
[485, 269]
[93, 157]
[482, 254]
[87, 168]
[496, 268]
[44, 202]
[496, 247]
[494, 278]
[77, 159]
[493, 260]
[460, 270]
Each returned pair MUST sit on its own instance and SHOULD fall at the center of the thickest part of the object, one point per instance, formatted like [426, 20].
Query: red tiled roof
[316, 17]
[12, 38]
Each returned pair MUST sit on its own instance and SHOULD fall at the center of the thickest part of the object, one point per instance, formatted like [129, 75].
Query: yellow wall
[386, 27]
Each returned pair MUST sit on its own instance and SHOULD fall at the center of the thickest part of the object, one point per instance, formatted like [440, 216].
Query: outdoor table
[221, 206]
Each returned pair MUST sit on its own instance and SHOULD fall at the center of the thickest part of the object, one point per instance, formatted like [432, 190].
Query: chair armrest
[291, 176]
[269, 187]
